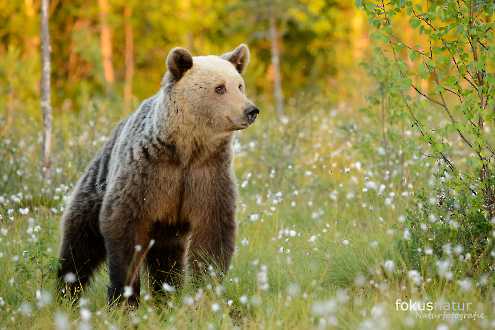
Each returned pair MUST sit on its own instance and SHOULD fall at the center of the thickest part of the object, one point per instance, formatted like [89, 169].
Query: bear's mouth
[237, 126]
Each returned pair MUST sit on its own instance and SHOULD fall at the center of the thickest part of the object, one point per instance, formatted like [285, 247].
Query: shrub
[438, 75]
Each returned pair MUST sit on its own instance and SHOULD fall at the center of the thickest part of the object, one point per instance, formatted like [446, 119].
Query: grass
[317, 246]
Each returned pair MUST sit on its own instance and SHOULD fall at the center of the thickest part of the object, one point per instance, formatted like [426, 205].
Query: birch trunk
[46, 107]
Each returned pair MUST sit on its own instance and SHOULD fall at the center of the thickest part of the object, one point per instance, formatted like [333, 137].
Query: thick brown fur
[162, 191]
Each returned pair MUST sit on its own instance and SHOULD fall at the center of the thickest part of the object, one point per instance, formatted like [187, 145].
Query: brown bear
[162, 192]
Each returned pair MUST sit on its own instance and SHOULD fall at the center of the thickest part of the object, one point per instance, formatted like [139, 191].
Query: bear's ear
[239, 57]
[179, 60]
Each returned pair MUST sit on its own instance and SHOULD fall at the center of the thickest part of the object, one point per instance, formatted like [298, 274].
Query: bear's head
[209, 91]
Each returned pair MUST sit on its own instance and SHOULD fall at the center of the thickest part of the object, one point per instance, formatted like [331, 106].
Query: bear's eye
[221, 89]
[240, 87]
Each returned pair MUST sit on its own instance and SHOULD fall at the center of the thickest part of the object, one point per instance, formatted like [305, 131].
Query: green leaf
[423, 71]
[413, 55]
[414, 22]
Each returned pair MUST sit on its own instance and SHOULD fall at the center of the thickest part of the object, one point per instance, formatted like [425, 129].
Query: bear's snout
[251, 113]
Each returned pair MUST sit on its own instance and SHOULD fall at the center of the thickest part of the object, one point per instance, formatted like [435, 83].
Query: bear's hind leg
[82, 249]
[166, 259]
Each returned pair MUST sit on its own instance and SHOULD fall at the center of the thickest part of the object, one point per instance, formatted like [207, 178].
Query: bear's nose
[251, 113]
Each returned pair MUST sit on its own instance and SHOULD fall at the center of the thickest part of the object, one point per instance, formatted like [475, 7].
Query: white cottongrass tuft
[443, 268]
[465, 284]
[61, 321]
[262, 278]
[167, 287]
[127, 291]
[188, 300]
[360, 280]
[215, 307]
[293, 289]
[254, 217]
[70, 277]
[26, 309]
[414, 276]
[389, 266]
[43, 298]
[85, 314]
[323, 308]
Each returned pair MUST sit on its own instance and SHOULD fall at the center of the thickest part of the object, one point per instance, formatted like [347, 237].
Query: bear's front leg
[125, 236]
[166, 259]
[212, 217]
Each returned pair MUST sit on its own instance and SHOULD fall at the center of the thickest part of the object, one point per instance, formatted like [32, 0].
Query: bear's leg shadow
[166, 259]
[126, 239]
[82, 249]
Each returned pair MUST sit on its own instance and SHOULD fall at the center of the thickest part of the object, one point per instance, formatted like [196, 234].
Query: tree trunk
[277, 80]
[488, 189]
[31, 42]
[46, 107]
[106, 42]
[129, 57]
